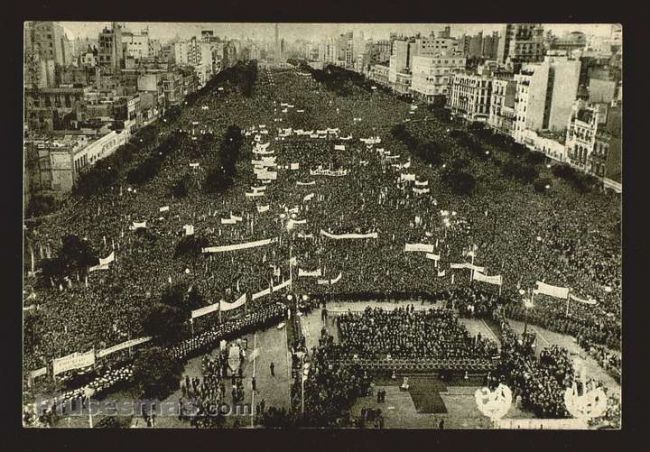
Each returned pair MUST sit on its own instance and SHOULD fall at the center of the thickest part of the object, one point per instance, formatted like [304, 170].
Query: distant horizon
[166, 31]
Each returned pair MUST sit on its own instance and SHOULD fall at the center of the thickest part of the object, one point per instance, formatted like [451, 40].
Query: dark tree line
[455, 175]
[149, 167]
[241, 76]
[221, 176]
[73, 259]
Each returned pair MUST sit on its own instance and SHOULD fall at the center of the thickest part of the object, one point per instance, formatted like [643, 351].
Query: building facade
[502, 105]
[432, 75]
[470, 96]
[520, 44]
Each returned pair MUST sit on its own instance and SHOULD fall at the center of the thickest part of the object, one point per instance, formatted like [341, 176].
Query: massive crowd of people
[560, 238]
[405, 333]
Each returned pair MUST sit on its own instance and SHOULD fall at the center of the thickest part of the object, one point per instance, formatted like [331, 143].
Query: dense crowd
[329, 389]
[559, 238]
[405, 333]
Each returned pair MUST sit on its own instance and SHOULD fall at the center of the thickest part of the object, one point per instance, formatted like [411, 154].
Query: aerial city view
[295, 225]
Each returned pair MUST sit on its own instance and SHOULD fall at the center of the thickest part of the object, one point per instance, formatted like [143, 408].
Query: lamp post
[305, 374]
[528, 304]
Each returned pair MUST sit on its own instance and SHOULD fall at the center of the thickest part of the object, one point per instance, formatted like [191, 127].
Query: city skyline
[307, 31]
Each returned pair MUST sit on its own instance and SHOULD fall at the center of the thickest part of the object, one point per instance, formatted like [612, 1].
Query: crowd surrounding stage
[404, 333]
[316, 211]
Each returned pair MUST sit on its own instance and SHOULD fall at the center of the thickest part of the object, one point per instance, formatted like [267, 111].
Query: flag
[164, 209]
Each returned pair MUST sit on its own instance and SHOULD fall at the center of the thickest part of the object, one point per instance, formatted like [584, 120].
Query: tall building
[399, 59]
[111, 48]
[49, 41]
[327, 51]
[490, 46]
[469, 96]
[199, 55]
[136, 45]
[475, 45]
[278, 49]
[593, 139]
[521, 43]
[431, 46]
[502, 104]
[446, 33]
[179, 53]
[432, 75]
[545, 94]
[380, 52]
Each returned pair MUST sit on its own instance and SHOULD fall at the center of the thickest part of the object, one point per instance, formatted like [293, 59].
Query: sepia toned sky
[307, 31]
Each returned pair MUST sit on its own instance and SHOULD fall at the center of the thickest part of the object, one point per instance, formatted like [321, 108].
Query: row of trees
[455, 175]
[149, 167]
[73, 259]
[524, 164]
[241, 76]
[221, 176]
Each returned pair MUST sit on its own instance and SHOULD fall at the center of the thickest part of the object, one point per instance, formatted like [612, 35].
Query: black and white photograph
[322, 225]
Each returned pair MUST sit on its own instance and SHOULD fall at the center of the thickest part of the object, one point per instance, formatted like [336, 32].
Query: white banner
[205, 310]
[328, 282]
[228, 221]
[73, 361]
[463, 265]
[306, 183]
[339, 147]
[234, 305]
[308, 197]
[254, 194]
[282, 285]
[420, 191]
[326, 172]
[434, 257]
[107, 260]
[122, 346]
[189, 229]
[267, 175]
[372, 235]
[38, 372]
[239, 246]
[236, 218]
[194, 165]
[258, 189]
[421, 184]
[295, 166]
[590, 301]
[98, 267]
[137, 225]
[303, 221]
[441, 273]
[496, 279]
[553, 291]
[261, 294]
[426, 248]
[305, 236]
[164, 209]
[265, 208]
[261, 152]
[475, 268]
[314, 273]
[407, 177]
